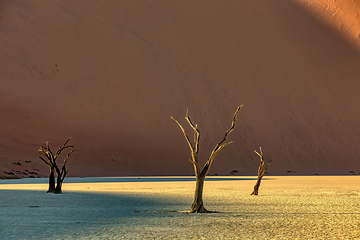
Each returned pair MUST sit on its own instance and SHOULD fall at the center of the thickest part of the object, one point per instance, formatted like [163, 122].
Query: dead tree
[61, 174]
[261, 171]
[54, 169]
[50, 162]
[198, 205]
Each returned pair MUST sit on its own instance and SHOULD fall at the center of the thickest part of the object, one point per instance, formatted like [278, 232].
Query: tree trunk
[51, 181]
[58, 186]
[256, 187]
[198, 205]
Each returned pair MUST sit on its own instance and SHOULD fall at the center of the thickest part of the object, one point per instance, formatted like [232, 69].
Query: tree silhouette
[54, 169]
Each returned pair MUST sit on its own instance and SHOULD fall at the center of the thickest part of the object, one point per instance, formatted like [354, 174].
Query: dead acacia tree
[200, 174]
[50, 162]
[261, 171]
[54, 169]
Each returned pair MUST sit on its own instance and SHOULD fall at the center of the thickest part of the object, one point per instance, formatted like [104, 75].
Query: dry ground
[292, 207]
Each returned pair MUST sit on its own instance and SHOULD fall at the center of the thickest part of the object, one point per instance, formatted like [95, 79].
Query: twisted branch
[221, 144]
[261, 171]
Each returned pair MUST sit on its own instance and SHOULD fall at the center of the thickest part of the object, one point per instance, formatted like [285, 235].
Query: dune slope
[111, 73]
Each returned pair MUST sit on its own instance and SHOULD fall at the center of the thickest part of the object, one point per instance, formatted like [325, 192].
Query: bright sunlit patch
[344, 16]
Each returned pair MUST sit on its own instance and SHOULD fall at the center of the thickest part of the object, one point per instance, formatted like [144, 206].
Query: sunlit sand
[292, 207]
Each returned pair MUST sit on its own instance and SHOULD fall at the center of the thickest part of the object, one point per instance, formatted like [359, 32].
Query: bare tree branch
[186, 136]
[62, 148]
[222, 143]
[44, 160]
[196, 132]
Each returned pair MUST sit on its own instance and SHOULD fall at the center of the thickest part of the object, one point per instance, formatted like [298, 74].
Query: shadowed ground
[287, 207]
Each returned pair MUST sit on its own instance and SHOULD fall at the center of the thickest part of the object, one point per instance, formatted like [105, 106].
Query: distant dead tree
[198, 205]
[54, 169]
[261, 171]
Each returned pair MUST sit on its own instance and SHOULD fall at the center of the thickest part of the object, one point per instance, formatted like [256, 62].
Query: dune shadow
[27, 214]
[33, 214]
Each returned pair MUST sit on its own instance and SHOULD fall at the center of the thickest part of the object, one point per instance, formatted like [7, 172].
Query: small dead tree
[200, 174]
[51, 163]
[54, 169]
[261, 171]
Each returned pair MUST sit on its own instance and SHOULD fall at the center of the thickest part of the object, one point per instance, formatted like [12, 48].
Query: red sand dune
[111, 73]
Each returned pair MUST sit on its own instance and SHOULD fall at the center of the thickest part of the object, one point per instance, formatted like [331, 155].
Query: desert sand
[287, 207]
[344, 16]
[111, 73]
